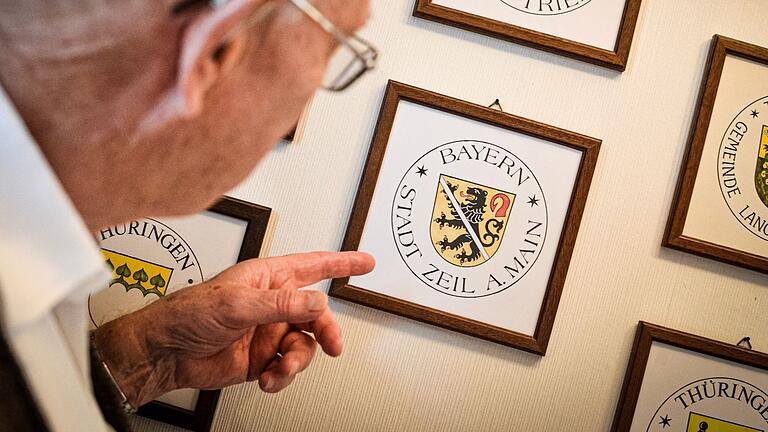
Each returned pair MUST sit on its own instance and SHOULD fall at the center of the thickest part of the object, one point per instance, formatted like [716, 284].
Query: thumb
[286, 305]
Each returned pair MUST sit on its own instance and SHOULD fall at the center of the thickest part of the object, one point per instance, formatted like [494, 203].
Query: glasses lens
[343, 68]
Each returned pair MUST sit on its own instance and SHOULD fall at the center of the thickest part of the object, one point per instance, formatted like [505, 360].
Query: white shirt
[49, 263]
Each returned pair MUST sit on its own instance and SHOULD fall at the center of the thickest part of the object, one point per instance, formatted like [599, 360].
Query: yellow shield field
[134, 273]
[761, 171]
[468, 221]
[702, 423]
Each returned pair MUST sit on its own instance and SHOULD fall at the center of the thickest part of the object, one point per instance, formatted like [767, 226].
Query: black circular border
[717, 165]
[543, 197]
[553, 14]
[653, 418]
[199, 267]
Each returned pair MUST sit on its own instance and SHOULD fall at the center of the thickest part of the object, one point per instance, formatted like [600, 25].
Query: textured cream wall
[397, 374]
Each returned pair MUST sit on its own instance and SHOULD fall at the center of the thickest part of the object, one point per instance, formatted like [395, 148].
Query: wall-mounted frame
[291, 135]
[677, 381]
[297, 132]
[153, 257]
[490, 257]
[721, 207]
[598, 32]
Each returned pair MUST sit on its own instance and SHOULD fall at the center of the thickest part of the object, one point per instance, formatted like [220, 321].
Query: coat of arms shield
[761, 170]
[136, 273]
[702, 423]
[468, 220]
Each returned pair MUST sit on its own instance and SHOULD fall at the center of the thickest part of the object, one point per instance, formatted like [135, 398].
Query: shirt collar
[46, 251]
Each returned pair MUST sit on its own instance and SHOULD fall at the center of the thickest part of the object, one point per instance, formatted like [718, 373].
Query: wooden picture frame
[586, 146]
[291, 135]
[615, 58]
[721, 48]
[201, 418]
[257, 217]
[645, 337]
[249, 233]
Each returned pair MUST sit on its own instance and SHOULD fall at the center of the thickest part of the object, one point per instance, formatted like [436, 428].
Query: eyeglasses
[354, 57]
[352, 60]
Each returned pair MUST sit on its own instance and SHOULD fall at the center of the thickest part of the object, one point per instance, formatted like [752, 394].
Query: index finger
[300, 270]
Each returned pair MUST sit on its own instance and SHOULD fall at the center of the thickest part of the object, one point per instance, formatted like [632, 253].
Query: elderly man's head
[155, 107]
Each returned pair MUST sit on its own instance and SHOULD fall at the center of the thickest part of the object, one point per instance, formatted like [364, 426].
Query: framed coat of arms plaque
[721, 208]
[677, 381]
[153, 257]
[594, 31]
[472, 215]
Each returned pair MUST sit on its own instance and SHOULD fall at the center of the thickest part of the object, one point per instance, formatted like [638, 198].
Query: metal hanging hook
[745, 343]
[496, 103]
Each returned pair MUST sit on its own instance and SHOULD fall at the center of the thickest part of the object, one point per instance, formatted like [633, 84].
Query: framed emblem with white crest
[153, 257]
[472, 215]
[677, 381]
[721, 208]
[594, 31]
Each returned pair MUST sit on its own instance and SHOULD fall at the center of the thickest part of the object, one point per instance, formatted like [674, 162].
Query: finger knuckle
[284, 301]
[229, 303]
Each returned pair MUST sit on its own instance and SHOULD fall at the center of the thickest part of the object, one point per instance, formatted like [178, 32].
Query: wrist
[140, 374]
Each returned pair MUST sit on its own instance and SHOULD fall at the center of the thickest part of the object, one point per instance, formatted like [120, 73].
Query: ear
[211, 45]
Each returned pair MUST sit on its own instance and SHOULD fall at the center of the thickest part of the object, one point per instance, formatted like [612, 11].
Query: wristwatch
[98, 365]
